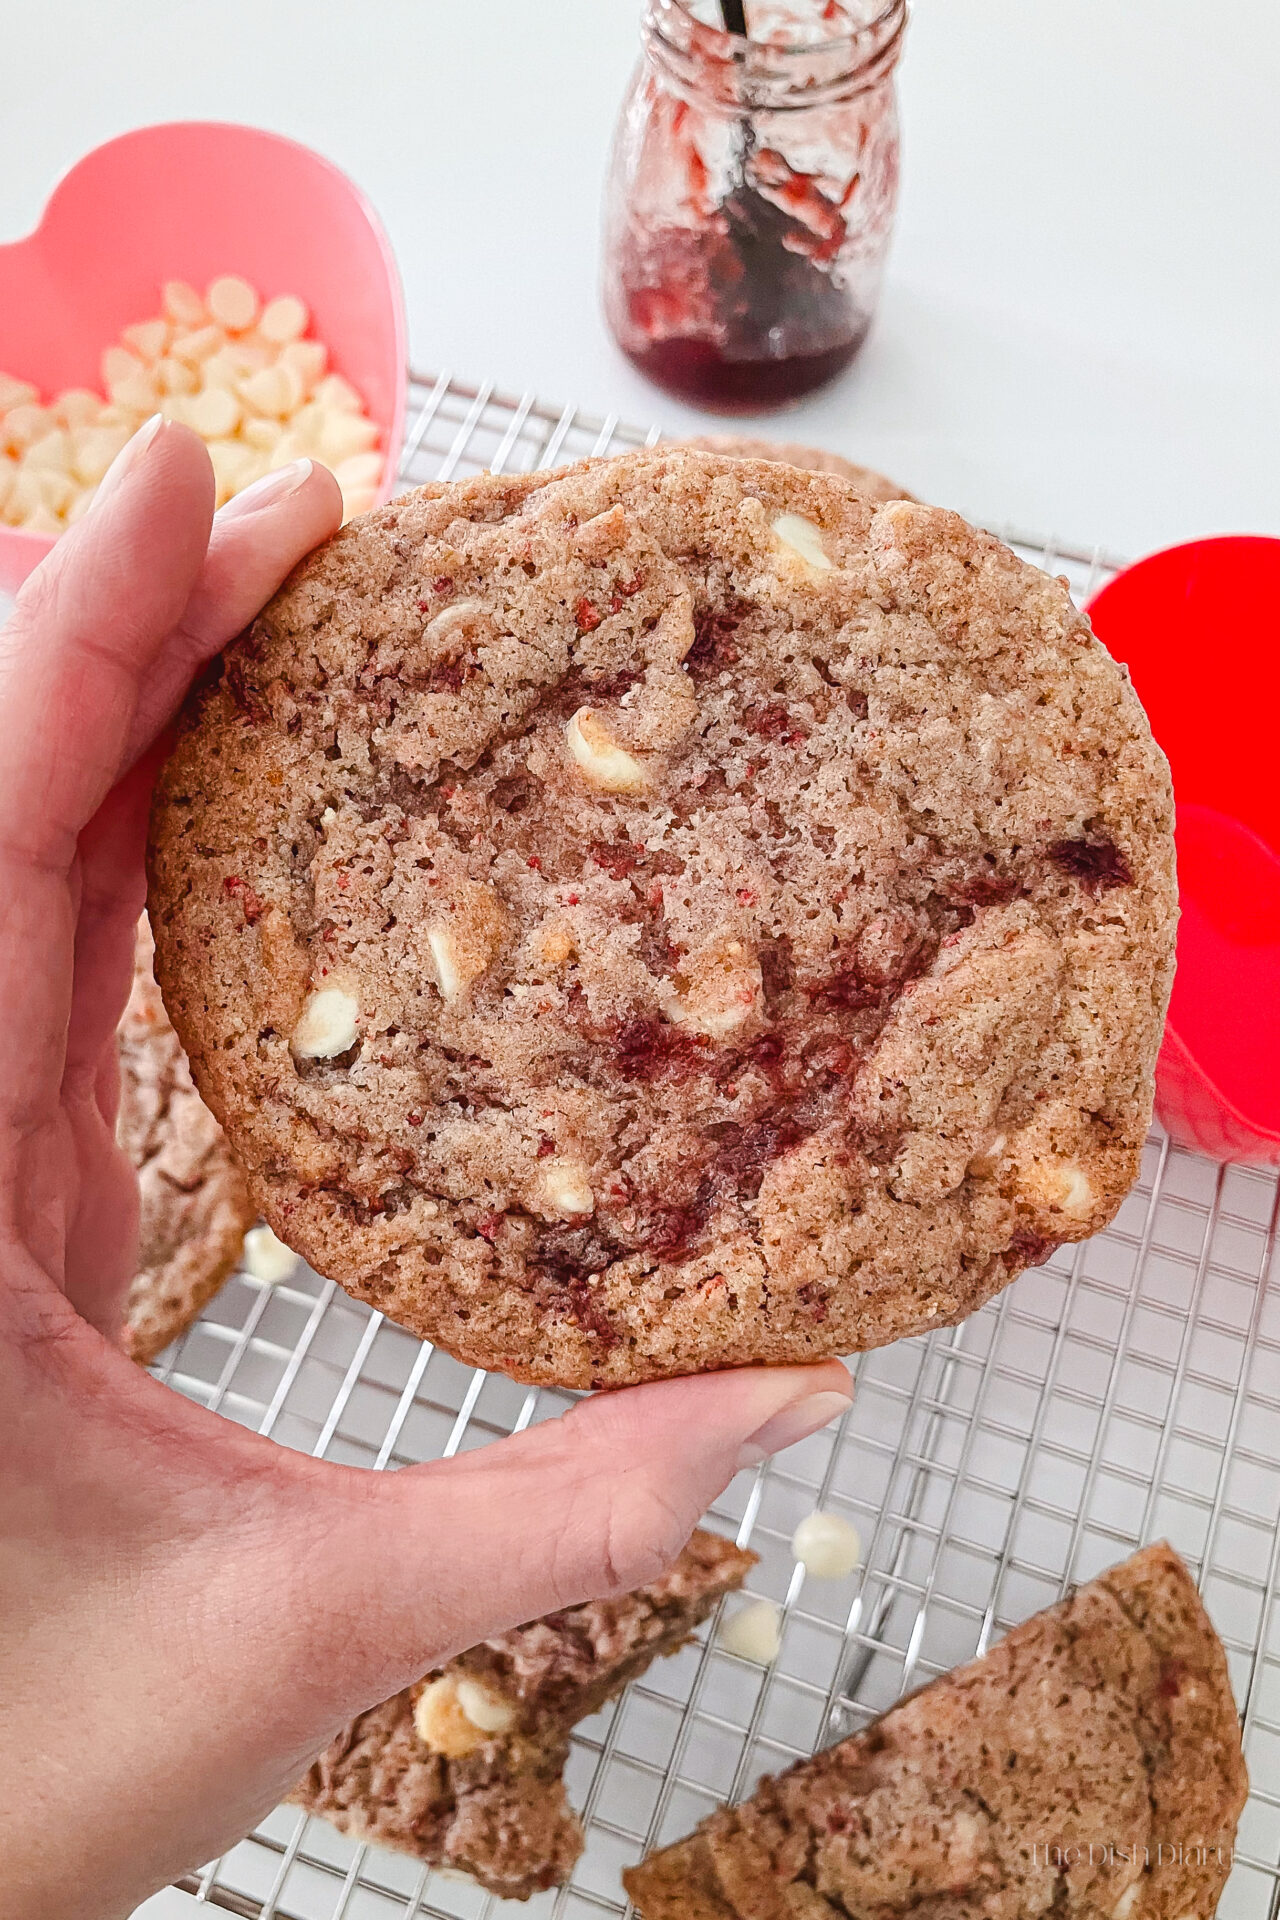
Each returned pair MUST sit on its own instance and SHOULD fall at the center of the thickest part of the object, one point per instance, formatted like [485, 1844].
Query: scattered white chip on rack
[827, 1546]
[754, 1632]
[267, 1258]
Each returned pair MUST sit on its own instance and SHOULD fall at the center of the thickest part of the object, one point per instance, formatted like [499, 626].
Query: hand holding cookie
[179, 1598]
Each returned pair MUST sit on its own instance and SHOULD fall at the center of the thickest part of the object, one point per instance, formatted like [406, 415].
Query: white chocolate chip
[267, 1258]
[233, 303]
[263, 436]
[135, 392]
[148, 338]
[460, 616]
[465, 938]
[485, 1709]
[283, 319]
[77, 407]
[803, 539]
[439, 1721]
[826, 1545]
[339, 394]
[340, 435]
[452, 1715]
[92, 451]
[40, 520]
[1077, 1192]
[327, 1025]
[287, 449]
[183, 304]
[41, 491]
[174, 376]
[754, 1632]
[308, 359]
[604, 763]
[448, 976]
[223, 368]
[1061, 1184]
[119, 364]
[723, 987]
[234, 466]
[24, 424]
[200, 345]
[274, 391]
[15, 392]
[328, 817]
[202, 363]
[53, 451]
[214, 413]
[563, 1190]
[251, 355]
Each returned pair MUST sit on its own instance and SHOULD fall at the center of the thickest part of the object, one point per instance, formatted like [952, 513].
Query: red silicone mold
[1199, 628]
[189, 201]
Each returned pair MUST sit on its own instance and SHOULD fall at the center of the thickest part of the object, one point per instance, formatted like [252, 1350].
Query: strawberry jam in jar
[751, 196]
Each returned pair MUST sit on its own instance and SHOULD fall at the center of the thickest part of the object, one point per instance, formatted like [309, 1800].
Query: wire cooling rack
[1127, 1390]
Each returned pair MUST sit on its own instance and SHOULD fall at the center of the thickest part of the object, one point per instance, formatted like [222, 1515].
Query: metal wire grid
[1128, 1390]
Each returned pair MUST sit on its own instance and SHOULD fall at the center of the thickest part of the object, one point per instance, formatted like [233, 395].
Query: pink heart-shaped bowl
[1199, 629]
[189, 201]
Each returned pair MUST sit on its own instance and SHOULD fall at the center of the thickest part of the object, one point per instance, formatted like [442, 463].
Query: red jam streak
[1098, 864]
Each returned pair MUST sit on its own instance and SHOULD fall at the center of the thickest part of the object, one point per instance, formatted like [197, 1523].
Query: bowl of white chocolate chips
[220, 276]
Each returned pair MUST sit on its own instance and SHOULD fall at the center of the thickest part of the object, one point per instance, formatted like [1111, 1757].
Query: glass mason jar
[751, 196]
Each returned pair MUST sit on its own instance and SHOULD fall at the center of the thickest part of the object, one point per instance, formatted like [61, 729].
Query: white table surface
[1080, 332]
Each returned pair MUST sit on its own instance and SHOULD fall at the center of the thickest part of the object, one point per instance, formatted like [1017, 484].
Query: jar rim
[720, 43]
[704, 56]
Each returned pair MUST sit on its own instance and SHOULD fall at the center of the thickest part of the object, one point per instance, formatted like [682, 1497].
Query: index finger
[87, 626]
[86, 630]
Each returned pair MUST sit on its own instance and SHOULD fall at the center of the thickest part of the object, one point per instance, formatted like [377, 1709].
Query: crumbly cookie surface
[864, 480]
[671, 914]
[195, 1206]
[417, 1774]
[1090, 1765]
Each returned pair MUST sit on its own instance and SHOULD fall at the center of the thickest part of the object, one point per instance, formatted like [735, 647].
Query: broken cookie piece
[1089, 1766]
[194, 1204]
[464, 1769]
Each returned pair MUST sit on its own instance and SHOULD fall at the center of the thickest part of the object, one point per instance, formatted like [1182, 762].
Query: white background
[1080, 332]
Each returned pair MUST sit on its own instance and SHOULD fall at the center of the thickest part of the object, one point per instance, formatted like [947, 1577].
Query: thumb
[434, 1558]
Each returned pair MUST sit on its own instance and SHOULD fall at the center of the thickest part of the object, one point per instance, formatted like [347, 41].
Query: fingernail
[267, 491]
[793, 1423]
[127, 458]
